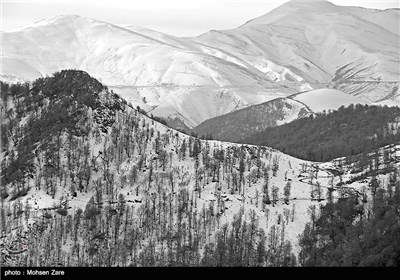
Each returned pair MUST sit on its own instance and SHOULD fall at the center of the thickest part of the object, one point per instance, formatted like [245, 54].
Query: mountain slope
[326, 99]
[322, 43]
[77, 155]
[151, 69]
[383, 18]
[346, 131]
[238, 125]
[112, 187]
[299, 46]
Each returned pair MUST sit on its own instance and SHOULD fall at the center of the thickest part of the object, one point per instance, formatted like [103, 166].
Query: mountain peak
[306, 1]
[65, 19]
[295, 8]
[60, 19]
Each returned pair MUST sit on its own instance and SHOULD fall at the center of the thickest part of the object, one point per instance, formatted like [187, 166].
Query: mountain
[90, 181]
[354, 50]
[383, 18]
[161, 73]
[297, 47]
[239, 125]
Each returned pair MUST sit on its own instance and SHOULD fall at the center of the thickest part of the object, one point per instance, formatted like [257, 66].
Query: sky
[175, 17]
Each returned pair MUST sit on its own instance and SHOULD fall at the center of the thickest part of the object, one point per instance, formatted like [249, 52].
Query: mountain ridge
[237, 125]
[236, 68]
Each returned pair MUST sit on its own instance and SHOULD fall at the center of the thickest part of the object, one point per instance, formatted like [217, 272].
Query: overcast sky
[176, 17]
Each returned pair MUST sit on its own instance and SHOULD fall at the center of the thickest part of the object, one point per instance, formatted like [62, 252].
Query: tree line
[344, 132]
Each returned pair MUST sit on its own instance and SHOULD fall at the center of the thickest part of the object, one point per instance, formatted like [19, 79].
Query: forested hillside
[87, 180]
[345, 234]
[235, 126]
[48, 109]
[345, 132]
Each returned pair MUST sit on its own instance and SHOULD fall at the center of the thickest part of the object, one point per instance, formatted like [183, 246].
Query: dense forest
[344, 132]
[345, 233]
[235, 126]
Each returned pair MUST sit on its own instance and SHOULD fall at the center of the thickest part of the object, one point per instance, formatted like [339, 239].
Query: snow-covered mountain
[150, 69]
[352, 49]
[300, 46]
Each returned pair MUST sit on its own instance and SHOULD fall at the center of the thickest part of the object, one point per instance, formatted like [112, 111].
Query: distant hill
[346, 131]
[237, 125]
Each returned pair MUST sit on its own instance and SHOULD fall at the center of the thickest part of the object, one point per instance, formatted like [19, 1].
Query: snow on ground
[163, 69]
[389, 103]
[289, 171]
[327, 99]
[298, 172]
[291, 114]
